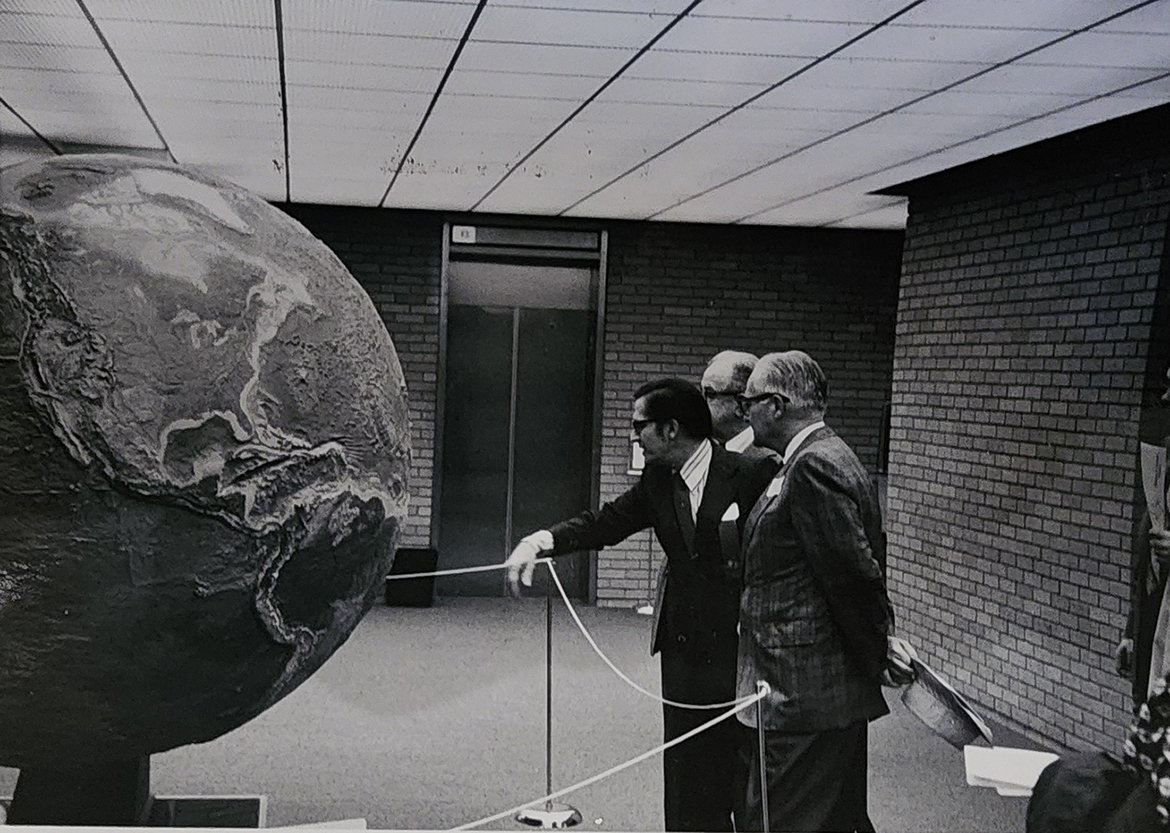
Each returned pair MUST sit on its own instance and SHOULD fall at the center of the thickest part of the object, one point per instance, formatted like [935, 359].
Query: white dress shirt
[741, 440]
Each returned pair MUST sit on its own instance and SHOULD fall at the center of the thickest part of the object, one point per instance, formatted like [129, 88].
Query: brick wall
[397, 258]
[1027, 293]
[677, 294]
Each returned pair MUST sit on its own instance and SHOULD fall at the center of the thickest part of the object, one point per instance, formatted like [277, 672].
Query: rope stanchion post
[551, 815]
[762, 689]
[529, 809]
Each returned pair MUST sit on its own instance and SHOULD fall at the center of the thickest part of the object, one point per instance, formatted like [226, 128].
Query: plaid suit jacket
[698, 586]
[814, 612]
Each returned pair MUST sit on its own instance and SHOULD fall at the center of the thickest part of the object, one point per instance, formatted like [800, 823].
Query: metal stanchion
[762, 688]
[552, 815]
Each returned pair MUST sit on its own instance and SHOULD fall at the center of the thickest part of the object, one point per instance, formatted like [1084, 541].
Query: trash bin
[412, 592]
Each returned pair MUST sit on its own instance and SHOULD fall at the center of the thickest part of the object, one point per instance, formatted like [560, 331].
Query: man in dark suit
[696, 496]
[814, 617]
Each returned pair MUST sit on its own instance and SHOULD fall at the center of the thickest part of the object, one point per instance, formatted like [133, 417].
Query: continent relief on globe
[204, 461]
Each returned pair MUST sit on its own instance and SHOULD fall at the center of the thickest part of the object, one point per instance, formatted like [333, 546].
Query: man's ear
[670, 429]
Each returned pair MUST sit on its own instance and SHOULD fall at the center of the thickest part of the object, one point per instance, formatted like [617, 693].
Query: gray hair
[796, 375]
[740, 364]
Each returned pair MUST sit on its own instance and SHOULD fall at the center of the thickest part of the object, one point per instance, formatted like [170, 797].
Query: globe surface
[204, 450]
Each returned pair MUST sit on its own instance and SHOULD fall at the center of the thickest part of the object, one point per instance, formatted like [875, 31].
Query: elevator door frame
[540, 249]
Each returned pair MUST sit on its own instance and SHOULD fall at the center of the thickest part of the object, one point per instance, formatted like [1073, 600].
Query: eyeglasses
[639, 424]
[711, 393]
[746, 402]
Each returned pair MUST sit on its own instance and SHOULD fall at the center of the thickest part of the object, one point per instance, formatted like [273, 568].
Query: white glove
[522, 562]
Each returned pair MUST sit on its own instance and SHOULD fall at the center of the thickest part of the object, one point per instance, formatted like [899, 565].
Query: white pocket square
[732, 513]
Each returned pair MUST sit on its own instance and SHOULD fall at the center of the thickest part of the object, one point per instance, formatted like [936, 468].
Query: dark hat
[932, 700]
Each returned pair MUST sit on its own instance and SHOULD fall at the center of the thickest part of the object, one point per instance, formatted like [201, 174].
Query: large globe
[204, 449]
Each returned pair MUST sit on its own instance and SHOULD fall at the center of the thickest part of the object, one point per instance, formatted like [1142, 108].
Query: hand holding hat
[900, 656]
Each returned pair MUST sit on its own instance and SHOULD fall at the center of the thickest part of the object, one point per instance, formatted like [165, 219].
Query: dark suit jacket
[1144, 604]
[814, 613]
[698, 588]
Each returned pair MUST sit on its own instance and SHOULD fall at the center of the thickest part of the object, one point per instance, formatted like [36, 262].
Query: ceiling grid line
[434, 98]
[917, 100]
[745, 103]
[126, 77]
[642, 51]
[968, 140]
[31, 129]
[281, 65]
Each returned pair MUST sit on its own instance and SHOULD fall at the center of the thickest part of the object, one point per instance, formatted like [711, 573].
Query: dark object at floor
[412, 592]
[108, 793]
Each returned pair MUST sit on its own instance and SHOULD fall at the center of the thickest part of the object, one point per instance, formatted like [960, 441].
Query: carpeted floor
[431, 718]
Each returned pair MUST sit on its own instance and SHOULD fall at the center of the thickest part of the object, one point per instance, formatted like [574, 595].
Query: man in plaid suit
[814, 614]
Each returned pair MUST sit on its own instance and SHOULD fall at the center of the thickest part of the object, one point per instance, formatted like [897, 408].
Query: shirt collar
[741, 440]
[801, 437]
[694, 470]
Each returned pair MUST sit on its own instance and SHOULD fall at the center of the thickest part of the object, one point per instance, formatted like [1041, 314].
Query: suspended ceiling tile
[755, 36]
[807, 171]
[833, 11]
[891, 217]
[623, 29]
[399, 18]
[876, 83]
[842, 211]
[369, 78]
[1083, 115]
[948, 45]
[331, 189]
[208, 75]
[1153, 91]
[55, 24]
[1038, 79]
[534, 58]
[359, 49]
[73, 90]
[1013, 14]
[655, 7]
[563, 86]
[679, 91]
[318, 105]
[1107, 49]
[715, 67]
[564, 170]
[1151, 18]
[15, 54]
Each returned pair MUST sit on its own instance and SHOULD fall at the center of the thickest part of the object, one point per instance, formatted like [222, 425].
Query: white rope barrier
[764, 691]
[581, 626]
[453, 572]
[733, 706]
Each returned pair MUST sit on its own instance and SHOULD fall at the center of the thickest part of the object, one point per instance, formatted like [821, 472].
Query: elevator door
[518, 431]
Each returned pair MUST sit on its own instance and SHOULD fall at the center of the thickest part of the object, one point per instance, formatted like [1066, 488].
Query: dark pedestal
[412, 592]
[114, 793]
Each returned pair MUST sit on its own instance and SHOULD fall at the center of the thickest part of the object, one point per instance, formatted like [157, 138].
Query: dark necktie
[682, 507]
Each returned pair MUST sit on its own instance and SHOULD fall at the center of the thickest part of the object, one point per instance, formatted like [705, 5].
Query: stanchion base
[550, 816]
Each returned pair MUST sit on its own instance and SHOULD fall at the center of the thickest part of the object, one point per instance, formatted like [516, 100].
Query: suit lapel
[765, 501]
[718, 492]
